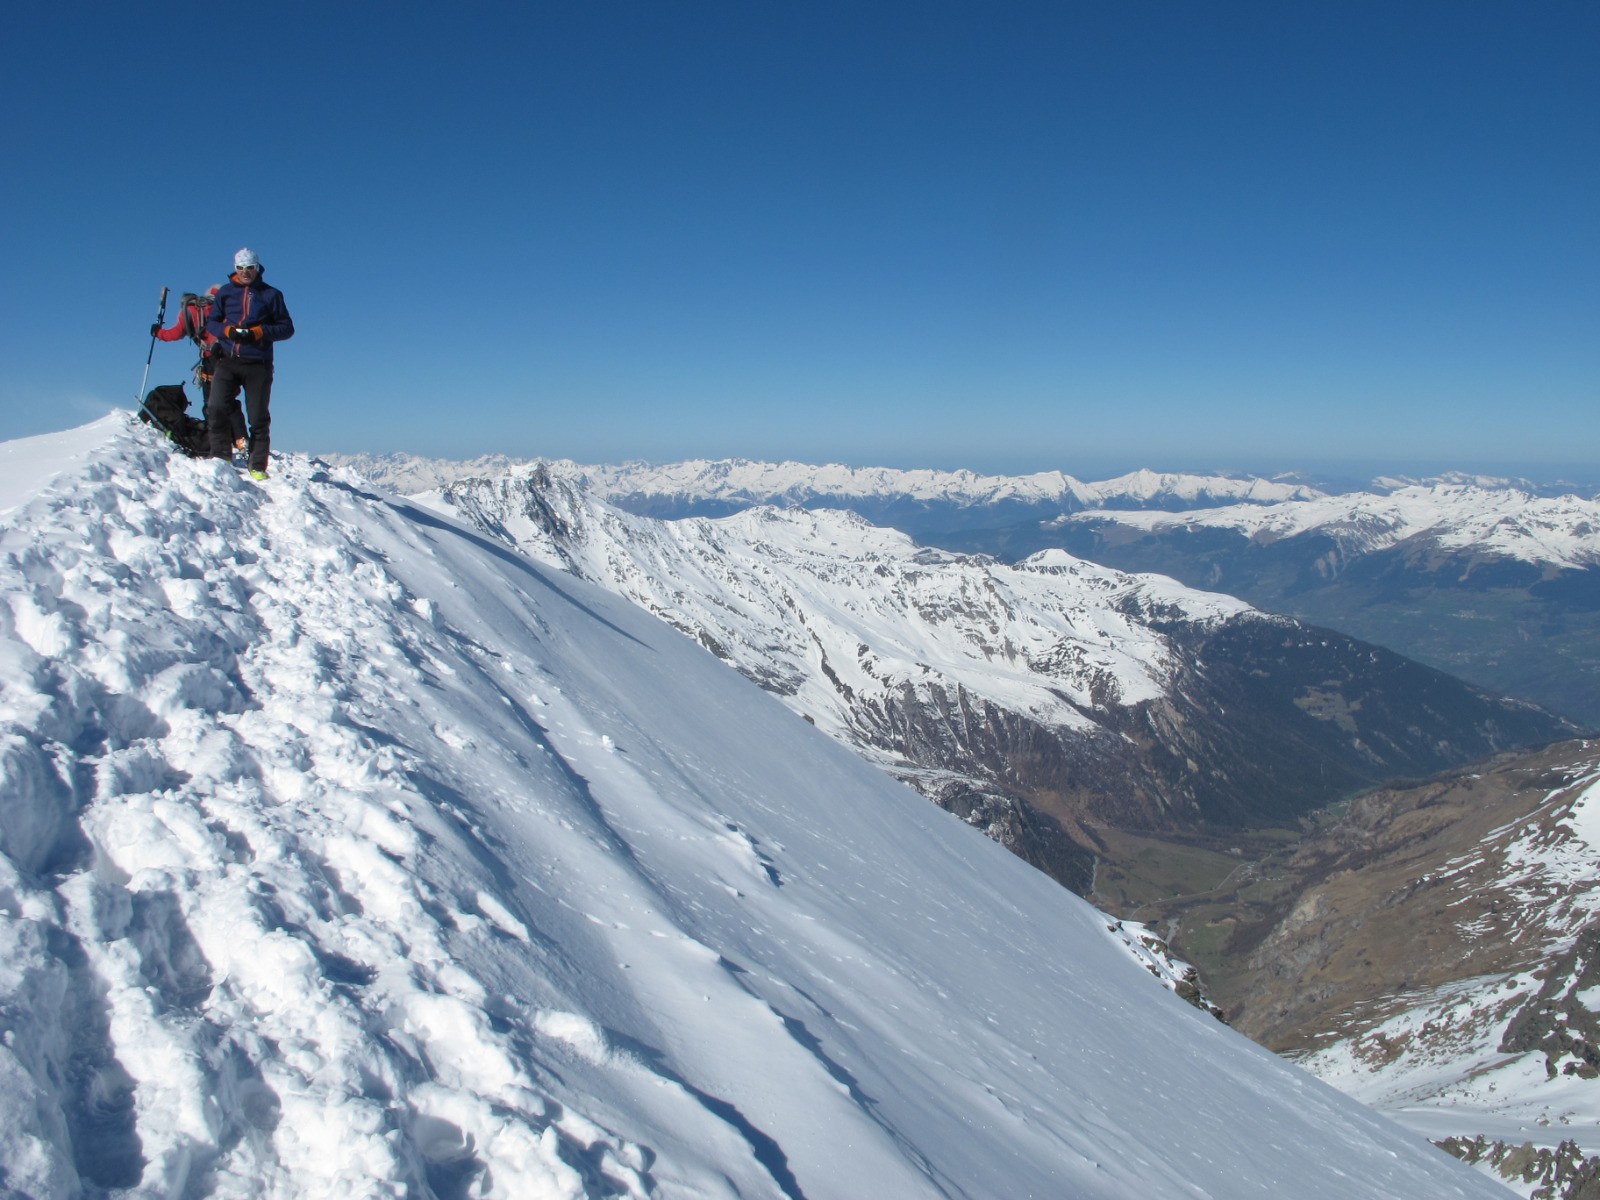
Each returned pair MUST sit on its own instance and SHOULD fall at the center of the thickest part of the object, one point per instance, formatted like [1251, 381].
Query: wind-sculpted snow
[344, 852]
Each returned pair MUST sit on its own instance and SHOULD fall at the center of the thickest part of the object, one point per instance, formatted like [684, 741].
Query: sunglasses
[252, 268]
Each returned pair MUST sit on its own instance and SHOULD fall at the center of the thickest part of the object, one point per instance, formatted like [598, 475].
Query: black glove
[240, 333]
[155, 328]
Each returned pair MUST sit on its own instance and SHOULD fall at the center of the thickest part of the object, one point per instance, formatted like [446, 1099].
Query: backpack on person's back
[193, 309]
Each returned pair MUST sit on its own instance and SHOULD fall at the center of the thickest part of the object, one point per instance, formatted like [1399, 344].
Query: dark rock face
[1340, 700]
[1266, 720]
[1556, 1021]
[1031, 835]
[1563, 1173]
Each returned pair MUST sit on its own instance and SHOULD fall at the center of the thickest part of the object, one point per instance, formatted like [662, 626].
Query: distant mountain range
[713, 487]
[1495, 580]
[698, 487]
[1494, 585]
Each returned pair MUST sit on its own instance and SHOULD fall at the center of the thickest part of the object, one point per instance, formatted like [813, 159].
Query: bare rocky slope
[1436, 951]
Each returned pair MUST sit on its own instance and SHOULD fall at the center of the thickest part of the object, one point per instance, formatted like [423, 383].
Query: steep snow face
[1559, 532]
[345, 852]
[844, 619]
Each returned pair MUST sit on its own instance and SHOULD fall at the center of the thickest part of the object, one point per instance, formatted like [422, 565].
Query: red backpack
[192, 313]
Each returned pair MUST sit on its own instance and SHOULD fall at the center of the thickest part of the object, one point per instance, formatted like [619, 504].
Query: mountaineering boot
[258, 476]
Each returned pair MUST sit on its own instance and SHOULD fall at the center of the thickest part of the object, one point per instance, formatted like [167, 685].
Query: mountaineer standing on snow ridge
[247, 317]
[191, 324]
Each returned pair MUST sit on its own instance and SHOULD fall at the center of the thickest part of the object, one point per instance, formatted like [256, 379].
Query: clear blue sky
[1002, 236]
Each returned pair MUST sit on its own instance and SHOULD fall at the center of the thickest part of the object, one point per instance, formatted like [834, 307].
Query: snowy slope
[346, 853]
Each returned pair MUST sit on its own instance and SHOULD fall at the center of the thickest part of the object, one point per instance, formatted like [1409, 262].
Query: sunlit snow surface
[346, 853]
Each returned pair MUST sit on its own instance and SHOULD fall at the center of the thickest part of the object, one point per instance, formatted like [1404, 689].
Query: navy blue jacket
[255, 305]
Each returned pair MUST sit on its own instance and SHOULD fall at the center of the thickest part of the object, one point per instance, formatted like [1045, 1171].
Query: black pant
[239, 430]
[256, 380]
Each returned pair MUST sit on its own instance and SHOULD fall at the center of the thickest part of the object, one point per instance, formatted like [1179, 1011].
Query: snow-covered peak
[409, 473]
[344, 851]
[1546, 487]
[742, 482]
[747, 481]
[1147, 486]
[1562, 532]
[755, 482]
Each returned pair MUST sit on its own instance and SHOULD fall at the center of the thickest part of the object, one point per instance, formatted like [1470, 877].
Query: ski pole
[161, 320]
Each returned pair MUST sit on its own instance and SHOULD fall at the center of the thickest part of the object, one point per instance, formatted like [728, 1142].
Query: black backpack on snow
[167, 408]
